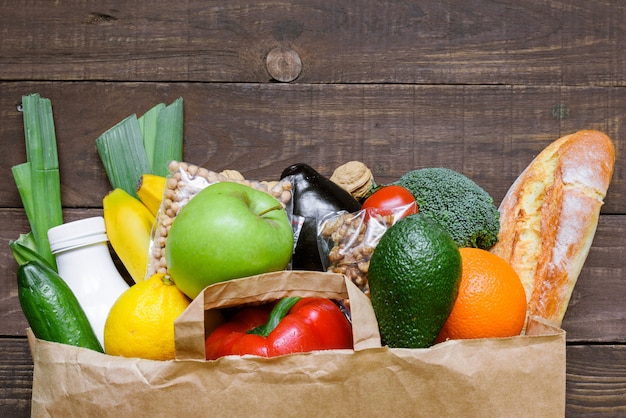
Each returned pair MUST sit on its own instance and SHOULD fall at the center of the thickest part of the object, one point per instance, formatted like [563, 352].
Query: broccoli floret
[456, 203]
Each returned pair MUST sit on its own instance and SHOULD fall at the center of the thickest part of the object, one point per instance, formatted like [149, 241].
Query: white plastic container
[85, 263]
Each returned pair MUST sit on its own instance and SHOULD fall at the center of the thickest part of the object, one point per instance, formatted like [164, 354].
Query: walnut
[355, 177]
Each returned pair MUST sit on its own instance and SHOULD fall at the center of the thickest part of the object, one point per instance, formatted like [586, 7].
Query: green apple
[227, 231]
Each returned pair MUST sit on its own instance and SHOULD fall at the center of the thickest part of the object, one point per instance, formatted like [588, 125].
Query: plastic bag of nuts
[347, 241]
[183, 183]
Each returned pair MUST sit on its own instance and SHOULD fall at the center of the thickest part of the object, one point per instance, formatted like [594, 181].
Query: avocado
[414, 277]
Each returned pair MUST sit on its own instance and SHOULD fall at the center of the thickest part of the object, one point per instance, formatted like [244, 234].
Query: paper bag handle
[189, 327]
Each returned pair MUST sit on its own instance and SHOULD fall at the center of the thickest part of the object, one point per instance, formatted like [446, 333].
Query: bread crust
[549, 216]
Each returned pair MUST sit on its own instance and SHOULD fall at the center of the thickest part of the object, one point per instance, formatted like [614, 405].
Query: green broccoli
[456, 203]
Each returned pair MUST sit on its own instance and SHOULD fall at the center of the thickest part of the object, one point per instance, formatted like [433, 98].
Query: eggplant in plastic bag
[314, 196]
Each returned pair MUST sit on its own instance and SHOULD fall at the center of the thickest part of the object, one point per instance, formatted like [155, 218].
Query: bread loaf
[549, 216]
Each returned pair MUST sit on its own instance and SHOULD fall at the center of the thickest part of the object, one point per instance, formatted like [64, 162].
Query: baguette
[549, 216]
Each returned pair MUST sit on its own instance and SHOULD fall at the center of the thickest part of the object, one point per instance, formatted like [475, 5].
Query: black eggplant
[314, 196]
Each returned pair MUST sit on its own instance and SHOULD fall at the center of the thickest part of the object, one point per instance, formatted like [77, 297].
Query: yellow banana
[128, 225]
[150, 191]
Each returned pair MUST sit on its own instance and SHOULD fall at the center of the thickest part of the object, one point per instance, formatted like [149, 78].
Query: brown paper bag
[506, 377]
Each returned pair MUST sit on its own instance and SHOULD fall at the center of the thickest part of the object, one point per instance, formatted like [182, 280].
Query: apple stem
[270, 209]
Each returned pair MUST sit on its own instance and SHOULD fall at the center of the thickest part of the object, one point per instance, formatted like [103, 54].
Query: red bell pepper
[293, 325]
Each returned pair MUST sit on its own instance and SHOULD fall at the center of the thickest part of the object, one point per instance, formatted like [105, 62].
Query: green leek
[162, 131]
[169, 140]
[123, 155]
[38, 180]
[136, 146]
[148, 124]
[24, 249]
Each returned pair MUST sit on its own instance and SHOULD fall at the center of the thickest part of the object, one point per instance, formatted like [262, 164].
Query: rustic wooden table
[478, 86]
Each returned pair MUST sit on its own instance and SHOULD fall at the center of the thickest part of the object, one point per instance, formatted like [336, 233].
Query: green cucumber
[51, 308]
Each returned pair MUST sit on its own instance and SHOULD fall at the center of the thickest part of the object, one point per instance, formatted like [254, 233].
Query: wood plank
[596, 379]
[489, 133]
[16, 377]
[577, 42]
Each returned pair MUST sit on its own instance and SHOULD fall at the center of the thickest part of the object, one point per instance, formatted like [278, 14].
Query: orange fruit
[491, 301]
[141, 322]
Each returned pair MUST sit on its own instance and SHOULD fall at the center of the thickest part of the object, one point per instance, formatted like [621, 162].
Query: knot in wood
[283, 64]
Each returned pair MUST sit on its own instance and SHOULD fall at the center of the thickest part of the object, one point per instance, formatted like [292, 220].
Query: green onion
[38, 180]
[123, 155]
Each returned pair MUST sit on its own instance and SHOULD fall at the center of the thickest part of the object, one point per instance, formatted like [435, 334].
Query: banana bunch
[129, 223]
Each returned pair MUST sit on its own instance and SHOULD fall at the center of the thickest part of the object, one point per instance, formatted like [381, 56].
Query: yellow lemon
[141, 322]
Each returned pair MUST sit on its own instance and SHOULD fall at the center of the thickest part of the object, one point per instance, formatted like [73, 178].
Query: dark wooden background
[479, 86]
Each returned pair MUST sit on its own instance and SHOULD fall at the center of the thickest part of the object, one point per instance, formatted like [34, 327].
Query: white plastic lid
[77, 234]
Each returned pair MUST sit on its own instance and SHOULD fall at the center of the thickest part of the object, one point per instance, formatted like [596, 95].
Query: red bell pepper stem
[279, 311]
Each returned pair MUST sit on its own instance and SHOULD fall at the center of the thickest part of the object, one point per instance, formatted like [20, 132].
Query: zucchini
[51, 308]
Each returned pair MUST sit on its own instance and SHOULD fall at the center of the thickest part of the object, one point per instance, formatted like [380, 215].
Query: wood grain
[596, 381]
[16, 377]
[489, 133]
[578, 42]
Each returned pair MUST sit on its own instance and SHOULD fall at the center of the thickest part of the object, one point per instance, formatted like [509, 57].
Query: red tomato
[389, 199]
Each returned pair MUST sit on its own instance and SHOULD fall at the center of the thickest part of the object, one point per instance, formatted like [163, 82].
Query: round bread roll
[549, 216]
